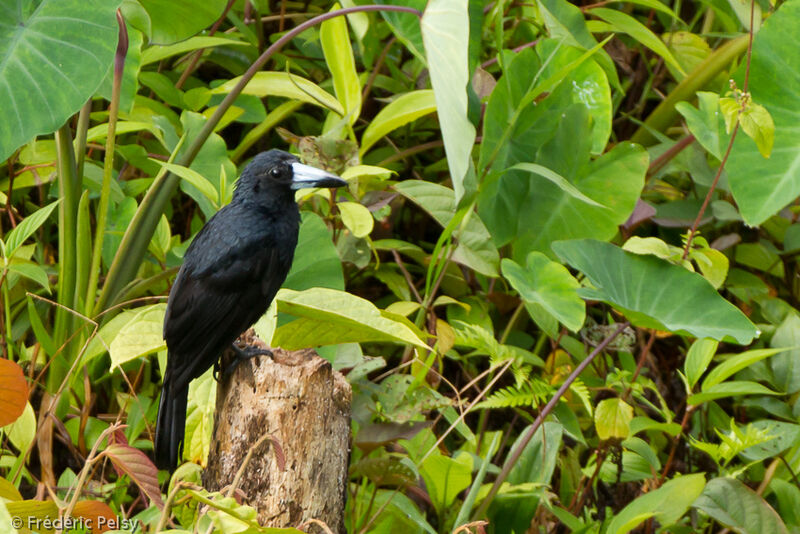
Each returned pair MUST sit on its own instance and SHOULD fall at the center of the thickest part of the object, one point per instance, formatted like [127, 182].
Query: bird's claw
[221, 372]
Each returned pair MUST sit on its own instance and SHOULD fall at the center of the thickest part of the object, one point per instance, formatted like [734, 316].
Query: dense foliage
[562, 281]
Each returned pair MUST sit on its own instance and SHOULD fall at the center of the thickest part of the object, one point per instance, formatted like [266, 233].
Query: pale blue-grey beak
[307, 176]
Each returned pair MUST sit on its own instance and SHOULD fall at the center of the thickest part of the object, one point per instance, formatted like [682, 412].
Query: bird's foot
[222, 372]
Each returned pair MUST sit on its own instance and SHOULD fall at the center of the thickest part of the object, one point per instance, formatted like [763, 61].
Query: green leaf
[528, 212]
[316, 262]
[698, 358]
[739, 508]
[22, 432]
[786, 365]
[153, 54]
[285, 85]
[141, 335]
[445, 32]
[705, 122]
[175, 21]
[667, 503]
[31, 271]
[475, 248]
[558, 180]
[338, 53]
[612, 419]
[774, 58]
[399, 112]
[757, 123]
[446, 477]
[17, 236]
[356, 218]
[327, 317]
[734, 364]
[549, 284]
[200, 418]
[733, 388]
[652, 292]
[538, 460]
[406, 26]
[53, 57]
[689, 49]
[193, 177]
[624, 23]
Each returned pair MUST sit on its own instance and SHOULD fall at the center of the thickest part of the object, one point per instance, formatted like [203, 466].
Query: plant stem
[511, 462]
[108, 164]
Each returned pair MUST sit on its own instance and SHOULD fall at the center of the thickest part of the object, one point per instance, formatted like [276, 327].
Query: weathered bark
[304, 406]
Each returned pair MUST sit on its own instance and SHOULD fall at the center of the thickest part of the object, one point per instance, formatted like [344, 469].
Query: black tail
[170, 426]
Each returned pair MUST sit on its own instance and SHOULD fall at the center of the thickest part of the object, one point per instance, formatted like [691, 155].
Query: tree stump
[304, 405]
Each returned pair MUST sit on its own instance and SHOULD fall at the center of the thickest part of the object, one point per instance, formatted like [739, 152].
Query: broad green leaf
[356, 218]
[99, 132]
[558, 180]
[732, 388]
[152, 54]
[786, 365]
[53, 57]
[445, 32]
[327, 317]
[446, 477]
[705, 122]
[22, 432]
[667, 503]
[734, 364]
[475, 248]
[652, 292]
[285, 85]
[193, 177]
[339, 57]
[366, 171]
[141, 335]
[27, 227]
[757, 123]
[5, 518]
[406, 26]
[175, 21]
[688, 48]
[316, 262]
[538, 460]
[588, 85]
[612, 419]
[739, 508]
[528, 212]
[31, 271]
[200, 418]
[567, 23]
[698, 358]
[625, 23]
[774, 57]
[397, 113]
[548, 284]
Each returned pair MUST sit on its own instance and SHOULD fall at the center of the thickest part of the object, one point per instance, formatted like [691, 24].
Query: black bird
[230, 274]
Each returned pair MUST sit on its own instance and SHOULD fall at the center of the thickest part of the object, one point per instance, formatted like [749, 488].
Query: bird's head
[278, 173]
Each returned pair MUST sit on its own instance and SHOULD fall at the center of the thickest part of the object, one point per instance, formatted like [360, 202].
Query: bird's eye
[275, 172]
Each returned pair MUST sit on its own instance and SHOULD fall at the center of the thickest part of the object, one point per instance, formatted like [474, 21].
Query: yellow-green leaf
[612, 419]
[285, 85]
[356, 218]
[397, 113]
[339, 57]
[142, 335]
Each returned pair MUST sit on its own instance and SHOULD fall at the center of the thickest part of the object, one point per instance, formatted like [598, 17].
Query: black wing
[227, 281]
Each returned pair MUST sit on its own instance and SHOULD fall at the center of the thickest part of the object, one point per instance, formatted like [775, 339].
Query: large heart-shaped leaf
[738, 507]
[654, 293]
[53, 56]
[775, 57]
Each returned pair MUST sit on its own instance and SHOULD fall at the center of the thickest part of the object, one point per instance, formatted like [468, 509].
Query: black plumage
[230, 274]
